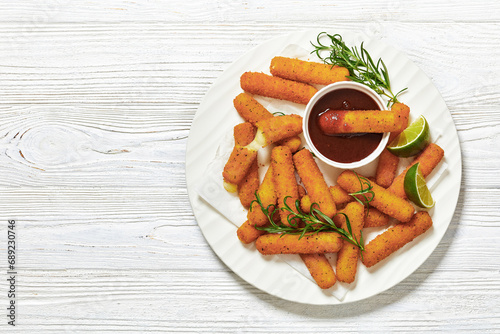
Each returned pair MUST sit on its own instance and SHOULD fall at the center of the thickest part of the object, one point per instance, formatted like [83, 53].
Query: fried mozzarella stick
[386, 168]
[347, 257]
[314, 182]
[249, 185]
[272, 130]
[285, 183]
[317, 243]
[278, 88]
[307, 71]
[384, 200]
[395, 237]
[247, 233]
[267, 196]
[252, 111]
[429, 159]
[237, 166]
[403, 112]
[244, 134]
[359, 121]
[293, 143]
[339, 196]
[388, 162]
[320, 269]
[375, 218]
[269, 131]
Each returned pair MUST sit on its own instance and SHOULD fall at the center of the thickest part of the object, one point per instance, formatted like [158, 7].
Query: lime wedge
[412, 140]
[416, 189]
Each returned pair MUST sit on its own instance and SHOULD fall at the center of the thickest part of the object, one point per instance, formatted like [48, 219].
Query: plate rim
[195, 202]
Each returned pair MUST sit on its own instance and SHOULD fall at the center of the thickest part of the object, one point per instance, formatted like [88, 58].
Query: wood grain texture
[96, 103]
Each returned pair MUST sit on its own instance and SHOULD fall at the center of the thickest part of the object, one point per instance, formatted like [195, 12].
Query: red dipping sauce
[343, 148]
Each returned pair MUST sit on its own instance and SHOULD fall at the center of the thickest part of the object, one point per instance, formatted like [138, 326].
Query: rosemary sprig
[366, 193]
[360, 64]
[314, 222]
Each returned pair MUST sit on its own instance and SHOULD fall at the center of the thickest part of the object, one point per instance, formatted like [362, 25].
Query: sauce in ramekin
[343, 148]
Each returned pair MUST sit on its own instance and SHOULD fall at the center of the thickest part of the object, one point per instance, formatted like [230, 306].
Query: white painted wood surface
[96, 102]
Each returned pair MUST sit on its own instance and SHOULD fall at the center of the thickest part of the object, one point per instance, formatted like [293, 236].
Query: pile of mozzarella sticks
[293, 175]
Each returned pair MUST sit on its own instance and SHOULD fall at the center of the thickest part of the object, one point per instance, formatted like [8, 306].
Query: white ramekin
[330, 88]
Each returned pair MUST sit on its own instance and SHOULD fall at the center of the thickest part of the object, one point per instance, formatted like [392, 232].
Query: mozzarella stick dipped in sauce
[388, 162]
[278, 88]
[347, 257]
[252, 111]
[267, 196]
[384, 200]
[395, 237]
[285, 183]
[307, 71]
[320, 269]
[333, 122]
[430, 157]
[244, 133]
[316, 243]
[314, 182]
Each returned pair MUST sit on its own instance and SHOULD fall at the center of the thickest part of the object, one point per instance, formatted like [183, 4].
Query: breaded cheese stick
[395, 237]
[403, 113]
[430, 157]
[249, 185]
[237, 166]
[388, 162]
[269, 131]
[320, 269]
[347, 257]
[316, 243]
[247, 233]
[250, 109]
[293, 143]
[359, 121]
[314, 182]
[285, 183]
[307, 71]
[272, 130]
[375, 218]
[267, 195]
[244, 133]
[278, 88]
[339, 196]
[386, 168]
[384, 200]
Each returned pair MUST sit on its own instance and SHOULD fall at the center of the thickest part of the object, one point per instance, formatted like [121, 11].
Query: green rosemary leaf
[362, 68]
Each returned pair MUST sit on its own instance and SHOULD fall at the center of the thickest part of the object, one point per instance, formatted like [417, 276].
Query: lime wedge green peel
[416, 188]
[412, 140]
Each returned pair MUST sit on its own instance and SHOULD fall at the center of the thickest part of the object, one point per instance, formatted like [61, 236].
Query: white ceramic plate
[216, 117]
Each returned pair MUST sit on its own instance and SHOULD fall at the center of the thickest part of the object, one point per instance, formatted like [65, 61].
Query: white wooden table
[96, 103]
